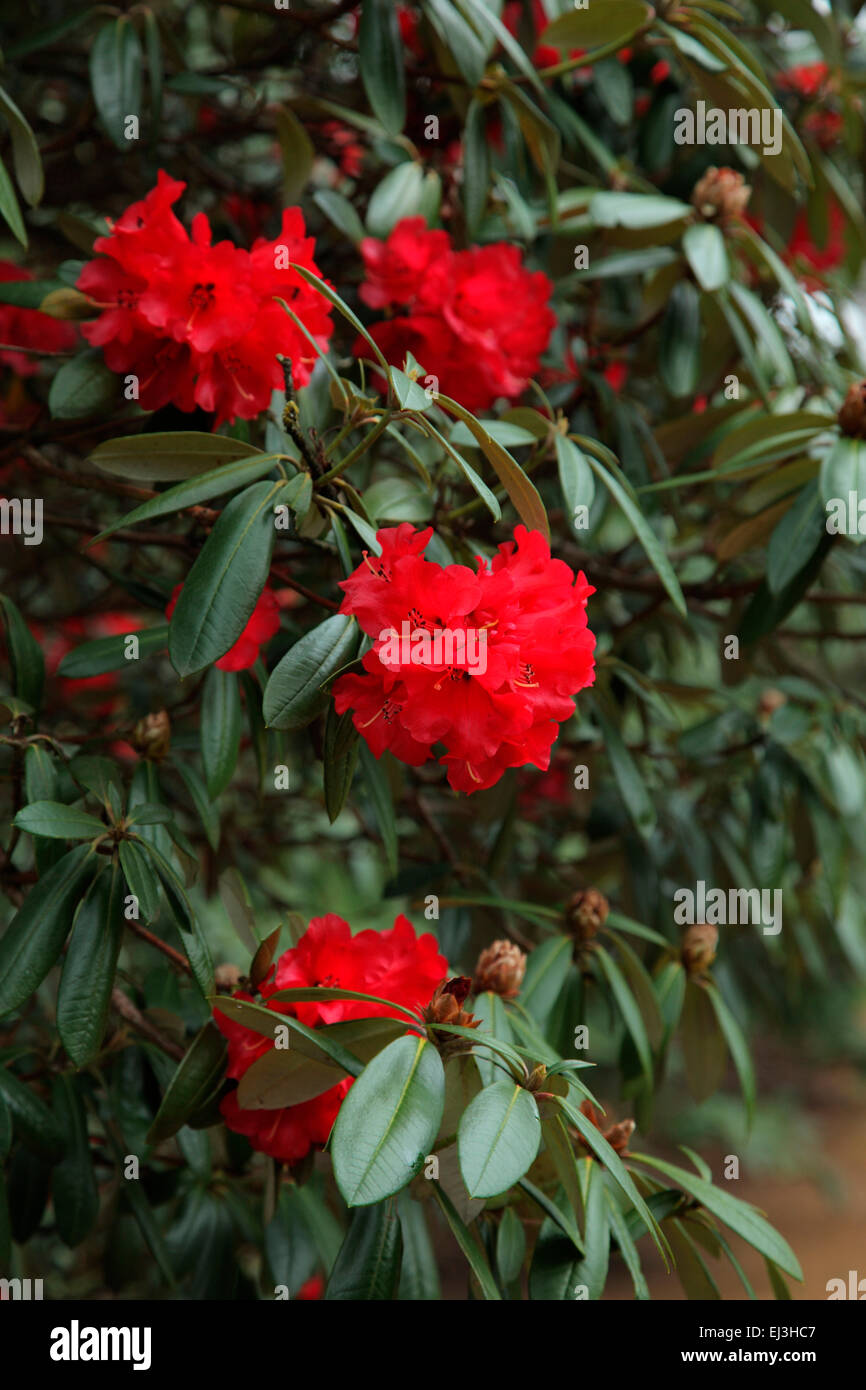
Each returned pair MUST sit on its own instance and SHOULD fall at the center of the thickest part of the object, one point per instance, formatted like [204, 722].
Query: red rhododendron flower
[485, 662]
[805, 256]
[478, 320]
[197, 323]
[28, 328]
[807, 80]
[396, 965]
[263, 623]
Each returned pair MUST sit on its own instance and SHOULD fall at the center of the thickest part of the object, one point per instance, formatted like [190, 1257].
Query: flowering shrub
[431, 445]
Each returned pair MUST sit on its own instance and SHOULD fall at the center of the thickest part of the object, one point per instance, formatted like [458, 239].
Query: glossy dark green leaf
[83, 387]
[35, 936]
[388, 1122]
[25, 151]
[141, 879]
[25, 654]
[796, 538]
[115, 77]
[56, 821]
[9, 208]
[459, 37]
[202, 1066]
[340, 751]
[223, 586]
[379, 790]
[510, 1247]
[295, 692]
[174, 456]
[419, 1276]
[368, 1265]
[220, 728]
[546, 970]
[32, 1122]
[84, 995]
[200, 487]
[522, 492]
[74, 1192]
[109, 653]
[380, 51]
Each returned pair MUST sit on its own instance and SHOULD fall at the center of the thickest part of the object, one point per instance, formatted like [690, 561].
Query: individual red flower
[263, 623]
[478, 320]
[28, 328]
[484, 662]
[806, 257]
[197, 323]
[807, 79]
[395, 965]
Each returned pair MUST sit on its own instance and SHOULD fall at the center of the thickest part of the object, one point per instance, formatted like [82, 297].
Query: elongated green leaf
[593, 25]
[368, 1265]
[25, 654]
[380, 50]
[628, 1007]
[620, 489]
[796, 538]
[74, 1192]
[171, 457]
[737, 1046]
[707, 255]
[220, 730]
[522, 492]
[223, 586]
[195, 1078]
[491, 1010]
[109, 653]
[88, 971]
[742, 1218]
[115, 77]
[9, 207]
[294, 694]
[339, 759]
[680, 341]
[35, 936]
[627, 1247]
[56, 821]
[554, 1273]
[32, 1121]
[25, 151]
[201, 487]
[459, 37]
[468, 1244]
[546, 971]
[498, 1138]
[141, 880]
[576, 479]
[379, 790]
[702, 1041]
[419, 1277]
[388, 1122]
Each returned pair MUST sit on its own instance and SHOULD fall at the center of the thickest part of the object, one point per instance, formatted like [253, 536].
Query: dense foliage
[432, 458]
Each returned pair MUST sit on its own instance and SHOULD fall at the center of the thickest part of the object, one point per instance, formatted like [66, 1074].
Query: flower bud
[586, 913]
[771, 700]
[500, 969]
[616, 1135]
[227, 977]
[852, 416]
[721, 193]
[446, 1007]
[151, 736]
[699, 948]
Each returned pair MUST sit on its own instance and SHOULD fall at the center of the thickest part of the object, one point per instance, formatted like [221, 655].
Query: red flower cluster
[396, 965]
[28, 328]
[487, 662]
[198, 324]
[263, 623]
[477, 320]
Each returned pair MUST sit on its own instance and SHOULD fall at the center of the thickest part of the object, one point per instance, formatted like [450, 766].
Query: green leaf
[623, 494]
[32, 1121]
[498, 1138]
[397, 195]
[9, 207]
[220, 729]
[140, 878]
[636, 211]
[58, 822]
[703, 1043]
[25, 655]
[341, 212]
[741, 1217]
[522, 492]
[459, 38]
[613, 1163]
[74, 1193]
[207, 812]
[25, 152]
[83, 387]
[468, 1244]
[635, 796]
[510, 1247]
[223, 586]
[115, 77]
[616, 21]
[388, 1122]
[546, 970]
[380, 52]
[737, 1046]
[680, 341]
[707, 255]
[109, 653]
[476, 167]
[195, 1078]
[368, 1265]
[340, 750]
[576, 478]
[554, 1273]
[169, 457]
[419, 1277]
[627, 1247]
[197, 489]
[379, 790]
[84, 996]
[795, 539]
[297, 152]
[35, 936]
[491, 1010]
[843, 471]
[305, 993]
[628, 1007]
[294, 694]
